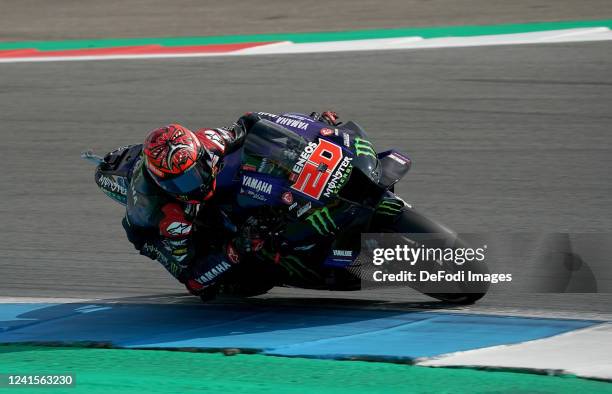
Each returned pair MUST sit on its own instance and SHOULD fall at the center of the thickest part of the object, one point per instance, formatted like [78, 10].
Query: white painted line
[601, 36]
[568, 35]
[42, 300]
[286, 47]
[331, 46]
[578, 32]
[585, 353]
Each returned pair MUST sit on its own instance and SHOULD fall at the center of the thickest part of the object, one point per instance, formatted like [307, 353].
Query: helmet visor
[194, 179]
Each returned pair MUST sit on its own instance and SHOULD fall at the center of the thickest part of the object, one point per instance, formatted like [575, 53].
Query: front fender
[394, 166]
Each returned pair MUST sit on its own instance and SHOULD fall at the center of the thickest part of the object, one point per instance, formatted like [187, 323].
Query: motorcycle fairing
[394, 166]
[258, 189]
[275, 150]
[112, 173]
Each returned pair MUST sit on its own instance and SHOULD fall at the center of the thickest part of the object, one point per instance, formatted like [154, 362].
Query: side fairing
[394, 166]
[112, 174]
[295, 168]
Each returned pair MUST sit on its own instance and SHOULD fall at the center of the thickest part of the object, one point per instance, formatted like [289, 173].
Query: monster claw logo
[389, 207]
[364, 147]
[322, 221]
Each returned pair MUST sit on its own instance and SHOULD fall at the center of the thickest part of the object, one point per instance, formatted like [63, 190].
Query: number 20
[311, 181]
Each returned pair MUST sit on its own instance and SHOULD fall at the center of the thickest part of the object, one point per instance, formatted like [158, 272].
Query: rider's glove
[206, 293]
[246, 244]
[245, 122]
[235, 135]
[194, 287]
[329, 117]
[249, 240]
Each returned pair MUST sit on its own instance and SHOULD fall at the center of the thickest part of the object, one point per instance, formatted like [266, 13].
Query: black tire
[250, 279]
[209, 293]
[412, 222]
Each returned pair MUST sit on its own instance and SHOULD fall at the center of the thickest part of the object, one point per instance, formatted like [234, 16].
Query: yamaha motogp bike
[311, 190]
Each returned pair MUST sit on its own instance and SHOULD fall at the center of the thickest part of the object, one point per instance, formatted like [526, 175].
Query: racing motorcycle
[310, 191]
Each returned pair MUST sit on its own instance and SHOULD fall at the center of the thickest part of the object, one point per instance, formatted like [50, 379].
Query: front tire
[250, 278]
[409, 221]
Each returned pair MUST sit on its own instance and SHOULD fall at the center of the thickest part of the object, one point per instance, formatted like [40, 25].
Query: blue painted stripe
[288, 331]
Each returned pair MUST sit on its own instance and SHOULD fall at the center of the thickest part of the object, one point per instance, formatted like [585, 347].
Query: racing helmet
[179, 164]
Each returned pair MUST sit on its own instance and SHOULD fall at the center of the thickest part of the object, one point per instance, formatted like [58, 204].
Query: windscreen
[271, 148]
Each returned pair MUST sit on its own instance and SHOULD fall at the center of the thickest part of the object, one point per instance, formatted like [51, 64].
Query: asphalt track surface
[69, 19]
[504, 139]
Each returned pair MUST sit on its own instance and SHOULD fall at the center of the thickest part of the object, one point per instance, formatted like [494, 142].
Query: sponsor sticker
[111, 185]
[322, 221]
[180, 252]
[303, 209]
[213, 273]
[397, 158]
[346, 139]
[325, 132]
[268, 115]
[256, 188]
[232, 254]
[287, 198]
[298, 124]
[364, 147]
[304, 156]
[342, 253]
[298, 117]
[339, 177]
[178, 228]
[315, 166]
[249, 167]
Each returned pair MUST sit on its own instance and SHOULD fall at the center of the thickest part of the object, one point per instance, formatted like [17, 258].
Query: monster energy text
[339, 178]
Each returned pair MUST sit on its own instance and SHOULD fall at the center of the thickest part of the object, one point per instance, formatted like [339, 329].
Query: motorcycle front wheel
[408, 222]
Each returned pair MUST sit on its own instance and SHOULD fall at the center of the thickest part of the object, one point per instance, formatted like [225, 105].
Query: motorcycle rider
[174, 181]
